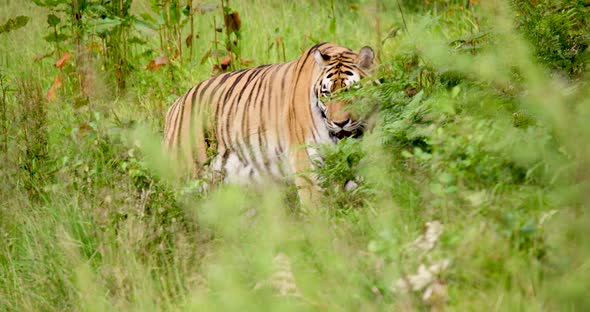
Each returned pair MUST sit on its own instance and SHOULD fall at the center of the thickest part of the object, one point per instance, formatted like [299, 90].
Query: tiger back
[259, 123]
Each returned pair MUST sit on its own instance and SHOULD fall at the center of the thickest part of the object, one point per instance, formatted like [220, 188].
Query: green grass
[482, 125]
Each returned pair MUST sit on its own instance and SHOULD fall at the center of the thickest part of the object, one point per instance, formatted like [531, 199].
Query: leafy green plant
[110, 21]
[339, 176]
[471, 134]
[32, 115]
[558, 30]
[232, 25]
[14, 24]
[171, 17]
[60, 32]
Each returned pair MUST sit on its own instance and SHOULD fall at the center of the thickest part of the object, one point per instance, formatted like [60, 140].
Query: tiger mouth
[341, 134]
[354, 130]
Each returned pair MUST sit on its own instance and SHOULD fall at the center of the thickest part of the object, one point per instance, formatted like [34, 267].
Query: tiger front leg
[308, 190]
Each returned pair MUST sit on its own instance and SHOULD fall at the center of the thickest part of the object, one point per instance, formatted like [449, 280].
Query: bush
[558, 31]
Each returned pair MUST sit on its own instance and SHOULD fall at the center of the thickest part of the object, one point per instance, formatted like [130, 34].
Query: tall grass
[476, 129]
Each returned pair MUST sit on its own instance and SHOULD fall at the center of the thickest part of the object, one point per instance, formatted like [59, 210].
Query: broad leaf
[53, 20]
[54, 38]
[174, 13]
[50, 3]
[186, 11]
[232, 21]
[14, 23]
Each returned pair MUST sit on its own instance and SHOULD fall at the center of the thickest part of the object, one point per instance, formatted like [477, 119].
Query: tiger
[267, 121]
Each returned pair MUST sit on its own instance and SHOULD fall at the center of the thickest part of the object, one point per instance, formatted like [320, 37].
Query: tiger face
[340, 69]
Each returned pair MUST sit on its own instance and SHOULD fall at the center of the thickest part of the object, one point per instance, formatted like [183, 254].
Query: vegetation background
[474, 191]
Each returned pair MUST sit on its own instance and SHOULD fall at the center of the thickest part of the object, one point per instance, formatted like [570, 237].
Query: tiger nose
[341, 124]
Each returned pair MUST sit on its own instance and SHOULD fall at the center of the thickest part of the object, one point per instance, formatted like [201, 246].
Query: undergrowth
[469, 189]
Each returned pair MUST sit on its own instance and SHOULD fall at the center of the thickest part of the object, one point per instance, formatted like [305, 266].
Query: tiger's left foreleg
[306, 181]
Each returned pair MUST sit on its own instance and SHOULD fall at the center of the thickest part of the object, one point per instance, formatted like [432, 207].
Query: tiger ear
[366, 56]
[321, 59]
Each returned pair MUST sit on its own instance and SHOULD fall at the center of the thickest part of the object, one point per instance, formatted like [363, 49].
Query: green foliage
[34, 135]
[14, 24]
[464, 127]
[337, 171]
[53, 20]
[559, 32]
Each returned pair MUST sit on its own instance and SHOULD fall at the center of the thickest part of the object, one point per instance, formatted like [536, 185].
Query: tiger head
[340, 68]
